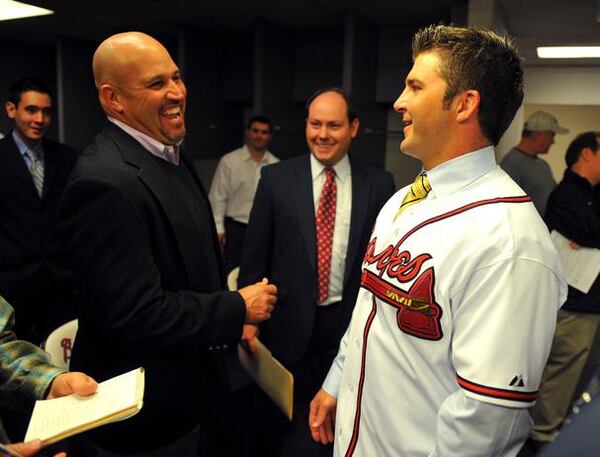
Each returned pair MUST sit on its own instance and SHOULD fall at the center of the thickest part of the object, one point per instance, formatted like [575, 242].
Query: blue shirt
[23, 148]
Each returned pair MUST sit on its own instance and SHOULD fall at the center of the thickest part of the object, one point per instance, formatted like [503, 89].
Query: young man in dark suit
[33, 174]
[308, 230]
[140, 236]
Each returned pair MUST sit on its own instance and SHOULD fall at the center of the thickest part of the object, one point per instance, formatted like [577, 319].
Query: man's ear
[354, 125]
[468, 105]
[110, 98]
[11, 109]
[586, 153]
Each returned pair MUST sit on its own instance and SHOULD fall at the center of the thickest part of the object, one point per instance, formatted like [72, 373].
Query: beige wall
[574, 92]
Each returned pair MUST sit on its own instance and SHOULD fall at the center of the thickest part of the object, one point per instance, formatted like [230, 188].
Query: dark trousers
[191, 445]
[271, 434]
[235, 232]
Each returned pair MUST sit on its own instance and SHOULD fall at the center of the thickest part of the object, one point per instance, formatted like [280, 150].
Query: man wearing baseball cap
[523, 164]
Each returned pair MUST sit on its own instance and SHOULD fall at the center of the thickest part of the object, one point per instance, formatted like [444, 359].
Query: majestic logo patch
[517, 381]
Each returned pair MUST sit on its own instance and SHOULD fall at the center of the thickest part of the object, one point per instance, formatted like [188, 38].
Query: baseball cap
[541, 121]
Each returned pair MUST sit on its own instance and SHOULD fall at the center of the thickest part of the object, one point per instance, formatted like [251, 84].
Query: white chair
[232, 279]
[60, 342]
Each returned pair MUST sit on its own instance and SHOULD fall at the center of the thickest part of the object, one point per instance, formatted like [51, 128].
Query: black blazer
[30, 274]
[281, 245]
[150, 280]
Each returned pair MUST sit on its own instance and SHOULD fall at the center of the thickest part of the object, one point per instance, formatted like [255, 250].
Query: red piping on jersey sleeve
[493, 392]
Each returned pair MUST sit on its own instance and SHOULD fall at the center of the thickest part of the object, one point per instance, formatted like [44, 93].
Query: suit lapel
[9, 153]
[361, 190]
[52, 161]
[208, 223]
[302, 192]
[160, 184]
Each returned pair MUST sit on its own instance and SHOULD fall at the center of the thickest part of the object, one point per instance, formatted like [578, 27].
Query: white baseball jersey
[459, 294]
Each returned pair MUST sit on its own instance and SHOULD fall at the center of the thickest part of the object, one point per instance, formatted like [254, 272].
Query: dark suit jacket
[31, 278]
[281, 245]
[145, 253]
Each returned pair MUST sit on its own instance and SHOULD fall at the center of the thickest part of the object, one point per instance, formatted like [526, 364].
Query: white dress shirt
[156, 148]
[341, 230]
[234, 185]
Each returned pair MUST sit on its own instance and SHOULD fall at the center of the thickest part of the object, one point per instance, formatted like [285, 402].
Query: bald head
[139, 84]
[117, 52]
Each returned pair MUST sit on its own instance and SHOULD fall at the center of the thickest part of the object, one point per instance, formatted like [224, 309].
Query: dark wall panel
[319, 60]
[360, 76]
[394, 62]
[274, 84]
[214, 111]
[81, 113]
[236, 59]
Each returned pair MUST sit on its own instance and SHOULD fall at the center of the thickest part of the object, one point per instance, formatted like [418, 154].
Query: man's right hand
[321, 419]
[260, 299]
[249, 335]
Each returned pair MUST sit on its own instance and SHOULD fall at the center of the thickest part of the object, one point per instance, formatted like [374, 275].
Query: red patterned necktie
[325, 225]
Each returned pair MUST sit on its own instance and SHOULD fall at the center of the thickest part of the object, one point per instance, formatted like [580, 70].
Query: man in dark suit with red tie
[33, 174]
[308, 230]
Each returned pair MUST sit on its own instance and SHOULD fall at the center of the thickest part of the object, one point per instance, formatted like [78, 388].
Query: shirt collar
[248, 156]
[23, 147]
[578, 179]
[166, 152]
[342, 168]
[461, 171]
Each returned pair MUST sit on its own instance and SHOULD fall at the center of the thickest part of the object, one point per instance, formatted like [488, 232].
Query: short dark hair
[350, 112]
[259, 118]
[584, 140]
[480, 60]
[24, 85]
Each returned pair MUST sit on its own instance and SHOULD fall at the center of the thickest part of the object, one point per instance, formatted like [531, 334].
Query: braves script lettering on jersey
[459, 296]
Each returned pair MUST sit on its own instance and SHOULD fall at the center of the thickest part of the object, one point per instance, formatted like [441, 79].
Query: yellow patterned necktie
[417, 192]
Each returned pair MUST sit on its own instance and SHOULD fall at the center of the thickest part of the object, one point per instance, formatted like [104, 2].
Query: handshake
[260, 300]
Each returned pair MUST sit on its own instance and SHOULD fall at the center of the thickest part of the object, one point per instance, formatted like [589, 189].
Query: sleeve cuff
[332, 382]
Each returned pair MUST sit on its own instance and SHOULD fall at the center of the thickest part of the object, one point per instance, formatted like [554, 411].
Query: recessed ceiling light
[10, 9]
[568, 52]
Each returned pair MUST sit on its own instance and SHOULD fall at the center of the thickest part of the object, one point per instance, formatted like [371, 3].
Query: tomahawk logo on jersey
[418, 313]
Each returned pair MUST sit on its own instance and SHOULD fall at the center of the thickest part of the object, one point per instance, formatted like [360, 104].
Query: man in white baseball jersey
[461, 283]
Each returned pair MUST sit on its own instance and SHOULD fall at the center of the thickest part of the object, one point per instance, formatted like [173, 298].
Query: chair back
[60, 342]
